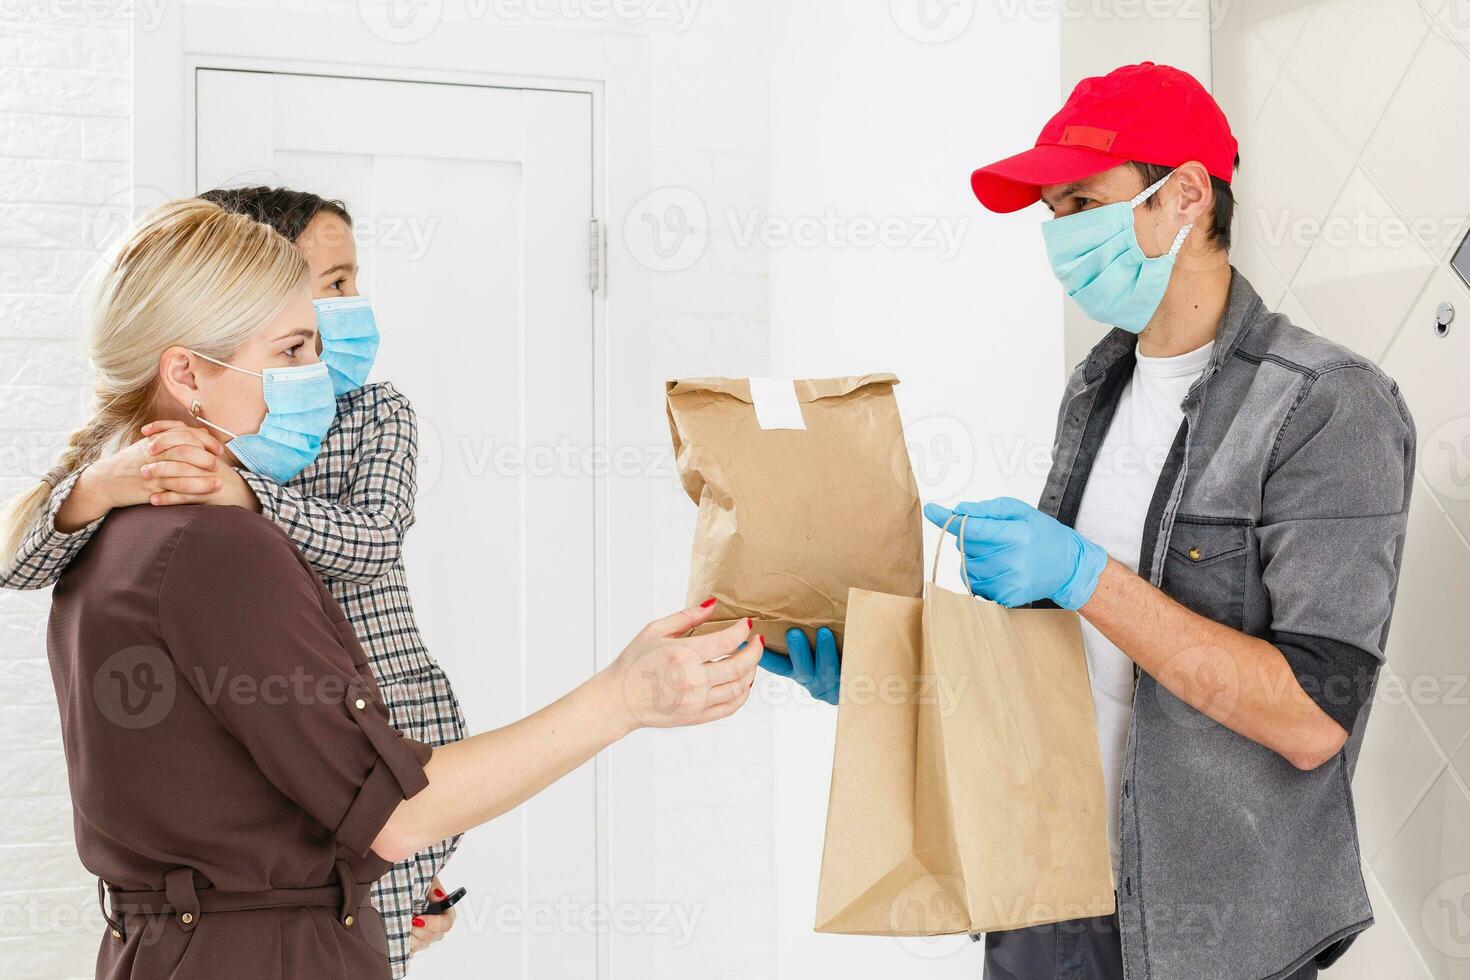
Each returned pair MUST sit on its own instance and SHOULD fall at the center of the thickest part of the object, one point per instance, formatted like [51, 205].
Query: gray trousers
[1081, 949]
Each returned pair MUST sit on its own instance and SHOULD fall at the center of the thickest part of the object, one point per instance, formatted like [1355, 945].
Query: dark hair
[1152, 173]
[285, 210]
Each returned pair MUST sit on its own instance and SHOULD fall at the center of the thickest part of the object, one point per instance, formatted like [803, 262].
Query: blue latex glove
[821, 675]
[1015, 554]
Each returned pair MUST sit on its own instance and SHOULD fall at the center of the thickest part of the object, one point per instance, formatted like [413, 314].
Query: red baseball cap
[1149, 113]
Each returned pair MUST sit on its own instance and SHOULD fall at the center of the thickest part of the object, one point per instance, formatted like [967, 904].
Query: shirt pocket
[1205, 567]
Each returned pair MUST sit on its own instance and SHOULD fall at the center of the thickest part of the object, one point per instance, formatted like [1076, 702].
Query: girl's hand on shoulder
[184, 464]
[180, 464]
[174, 460]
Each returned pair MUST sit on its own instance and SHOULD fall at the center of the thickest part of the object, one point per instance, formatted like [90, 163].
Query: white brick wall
[63, 155]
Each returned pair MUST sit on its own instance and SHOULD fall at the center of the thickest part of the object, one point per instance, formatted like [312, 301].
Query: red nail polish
[707, 603]
[749, 622]
[418, 923]
[762, 638]
[438, 893]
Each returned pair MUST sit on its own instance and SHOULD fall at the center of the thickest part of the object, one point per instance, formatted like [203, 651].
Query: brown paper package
[967, 789]
[791, 519]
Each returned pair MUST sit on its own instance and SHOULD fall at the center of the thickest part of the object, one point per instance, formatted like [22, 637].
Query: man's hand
[1015, 554]
[821, 675]
[429, 929]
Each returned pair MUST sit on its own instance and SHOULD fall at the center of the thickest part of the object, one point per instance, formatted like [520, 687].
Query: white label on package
[775, 401]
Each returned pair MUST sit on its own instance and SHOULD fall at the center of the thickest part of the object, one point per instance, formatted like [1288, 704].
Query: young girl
[347, 512]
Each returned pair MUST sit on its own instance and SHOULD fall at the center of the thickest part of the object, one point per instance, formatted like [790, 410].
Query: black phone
[444, 904]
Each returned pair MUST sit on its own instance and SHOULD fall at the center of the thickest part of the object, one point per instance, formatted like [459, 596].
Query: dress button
[347, 922]
[359, 704]
[1194, 554]
[116, 934]
[187, 918]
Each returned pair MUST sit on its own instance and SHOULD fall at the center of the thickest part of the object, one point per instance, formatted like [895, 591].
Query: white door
[472, 206]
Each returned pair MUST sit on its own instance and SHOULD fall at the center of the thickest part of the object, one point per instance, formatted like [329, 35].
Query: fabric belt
[181, 899]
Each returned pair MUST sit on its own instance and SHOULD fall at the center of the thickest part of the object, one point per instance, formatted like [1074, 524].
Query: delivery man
[1226, 511]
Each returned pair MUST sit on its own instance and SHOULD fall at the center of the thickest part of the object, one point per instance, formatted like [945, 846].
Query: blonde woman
[237, 786]
[348, 511]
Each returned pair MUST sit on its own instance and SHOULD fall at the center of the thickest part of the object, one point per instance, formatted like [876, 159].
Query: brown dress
[230, 759]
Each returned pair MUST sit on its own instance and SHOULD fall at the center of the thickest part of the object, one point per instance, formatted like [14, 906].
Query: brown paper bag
[791, 518]
[967, 788]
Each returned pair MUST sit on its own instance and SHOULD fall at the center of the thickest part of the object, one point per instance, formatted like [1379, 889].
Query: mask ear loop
[197, 411]
[1149, 192]
[213, 360]
[1179, 239]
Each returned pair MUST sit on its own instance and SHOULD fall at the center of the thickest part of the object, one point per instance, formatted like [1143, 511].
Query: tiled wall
[63, 157]
[1354, 121]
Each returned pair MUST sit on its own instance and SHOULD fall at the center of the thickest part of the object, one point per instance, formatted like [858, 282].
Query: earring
[196, 409]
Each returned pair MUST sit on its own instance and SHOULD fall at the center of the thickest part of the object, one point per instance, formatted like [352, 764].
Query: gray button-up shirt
[1280, 511]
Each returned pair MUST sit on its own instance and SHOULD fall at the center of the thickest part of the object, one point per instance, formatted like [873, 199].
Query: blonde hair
[190, 274]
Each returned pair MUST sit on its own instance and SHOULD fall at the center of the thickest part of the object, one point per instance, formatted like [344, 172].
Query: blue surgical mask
[299, 409]
[1096, 257]
[349, 335]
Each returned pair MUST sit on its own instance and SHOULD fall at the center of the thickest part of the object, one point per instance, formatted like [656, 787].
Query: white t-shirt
[1114, 508]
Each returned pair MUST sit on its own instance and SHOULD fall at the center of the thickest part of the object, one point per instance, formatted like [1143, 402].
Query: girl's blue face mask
[349, 333]
[299, 409]
[1096, 257]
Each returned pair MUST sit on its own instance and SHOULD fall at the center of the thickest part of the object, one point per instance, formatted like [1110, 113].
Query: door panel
[471, 207]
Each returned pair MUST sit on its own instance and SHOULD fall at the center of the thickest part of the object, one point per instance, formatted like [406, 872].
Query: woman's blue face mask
[349, 333]
[299, 409]
[1096, 257]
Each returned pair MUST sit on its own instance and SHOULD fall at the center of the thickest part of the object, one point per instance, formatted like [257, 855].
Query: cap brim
[1015, 182]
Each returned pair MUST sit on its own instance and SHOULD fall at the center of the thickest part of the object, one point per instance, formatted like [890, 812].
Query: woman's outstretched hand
[668, 679]
[664, 679]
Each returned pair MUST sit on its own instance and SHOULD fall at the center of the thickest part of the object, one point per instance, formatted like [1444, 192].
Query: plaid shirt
[347, 512]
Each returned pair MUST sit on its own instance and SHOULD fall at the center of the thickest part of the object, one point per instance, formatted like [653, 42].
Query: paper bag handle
[934, 570]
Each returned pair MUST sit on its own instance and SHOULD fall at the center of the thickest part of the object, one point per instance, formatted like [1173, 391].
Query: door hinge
[594, 254]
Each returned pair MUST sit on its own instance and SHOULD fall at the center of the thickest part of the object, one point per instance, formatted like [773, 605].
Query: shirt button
[1194, 554]
[187, 918]
[347, 922]
[359, 704]
[116, 934]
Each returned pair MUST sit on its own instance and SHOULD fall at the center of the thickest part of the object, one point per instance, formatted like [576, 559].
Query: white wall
[690, 822]
[878, 117]
[63, 159]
